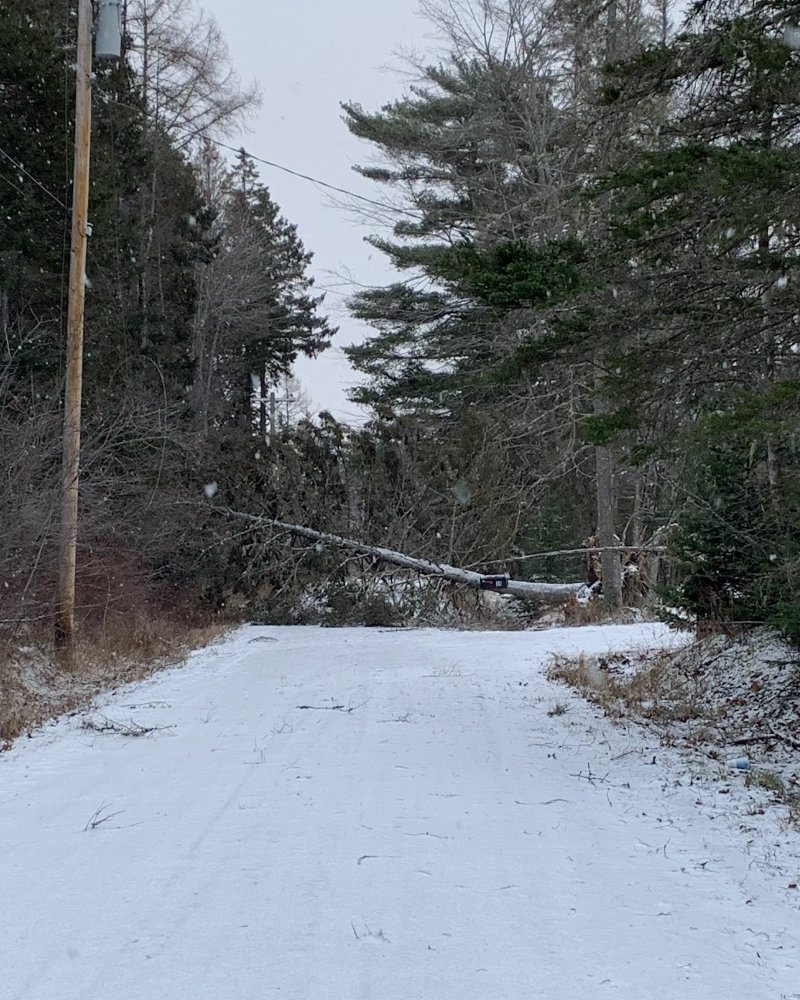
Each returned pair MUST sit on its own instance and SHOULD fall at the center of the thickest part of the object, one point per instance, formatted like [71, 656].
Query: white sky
[307, 56]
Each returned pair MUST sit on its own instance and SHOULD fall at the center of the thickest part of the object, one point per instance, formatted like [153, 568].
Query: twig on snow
[102, 724]
[347, 709]
[97, 817]
[379, 936]
[741, 741]
[589, 776]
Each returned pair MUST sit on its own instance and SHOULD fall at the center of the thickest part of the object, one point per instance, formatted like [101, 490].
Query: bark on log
[550, 592]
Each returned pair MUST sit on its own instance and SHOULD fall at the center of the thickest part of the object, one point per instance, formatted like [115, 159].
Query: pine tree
[706, 246]
[35, 171]
[509, 303]
[257, 310]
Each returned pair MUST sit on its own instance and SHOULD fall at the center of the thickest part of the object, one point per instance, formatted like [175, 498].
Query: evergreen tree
[468, 148]
[702, 254]
[156, 236]
[509, 300]
[35, 173]
[257, 310]
[738, 542]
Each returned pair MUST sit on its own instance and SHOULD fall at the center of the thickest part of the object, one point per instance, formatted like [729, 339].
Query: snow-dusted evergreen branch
[516, 588]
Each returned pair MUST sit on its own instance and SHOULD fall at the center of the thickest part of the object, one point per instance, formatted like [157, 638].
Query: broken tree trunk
[553, 592]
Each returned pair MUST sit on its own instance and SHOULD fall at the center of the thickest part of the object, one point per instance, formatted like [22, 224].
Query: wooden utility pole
[552, 592]
[65, 609]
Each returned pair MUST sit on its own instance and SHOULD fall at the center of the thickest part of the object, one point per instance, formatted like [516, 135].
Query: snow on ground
[718, 699]
[322, 814]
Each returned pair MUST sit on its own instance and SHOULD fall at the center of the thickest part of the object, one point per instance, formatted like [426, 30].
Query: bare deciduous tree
[188, 81]
[191, 92]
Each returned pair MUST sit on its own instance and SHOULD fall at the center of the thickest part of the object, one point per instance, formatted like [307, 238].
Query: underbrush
[402, 598]
[659, 690]
[129, 623]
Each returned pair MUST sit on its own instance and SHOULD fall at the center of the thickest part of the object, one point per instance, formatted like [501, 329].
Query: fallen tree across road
[551, 592]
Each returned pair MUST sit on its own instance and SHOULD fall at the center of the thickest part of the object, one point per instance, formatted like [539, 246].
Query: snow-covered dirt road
[329, 814]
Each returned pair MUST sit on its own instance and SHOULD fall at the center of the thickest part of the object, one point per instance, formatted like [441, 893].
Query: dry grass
[793, 805]
[767, 780]
[35, 686]
[655, 692]
[129, 624]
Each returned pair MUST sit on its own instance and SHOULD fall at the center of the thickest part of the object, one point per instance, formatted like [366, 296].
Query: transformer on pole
[108, 35]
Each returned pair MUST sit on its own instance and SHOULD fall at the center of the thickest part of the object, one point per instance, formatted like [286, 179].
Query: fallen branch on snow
[102, 724]
[331, 708]
[770, 737]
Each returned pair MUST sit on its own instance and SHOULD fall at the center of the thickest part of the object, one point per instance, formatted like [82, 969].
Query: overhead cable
[28, 174]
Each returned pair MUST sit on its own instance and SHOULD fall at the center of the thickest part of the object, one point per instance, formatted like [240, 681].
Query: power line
[238, 149]
[13, 185]
[38, 183]
[313, 180]
[233, 149]
[193, 133]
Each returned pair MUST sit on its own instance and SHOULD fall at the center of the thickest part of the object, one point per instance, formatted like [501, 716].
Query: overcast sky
[307, 56]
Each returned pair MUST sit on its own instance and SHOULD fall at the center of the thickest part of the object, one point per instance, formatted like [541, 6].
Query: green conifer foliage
[256, 309]
[462, 146]
[36, 98]
[739, 530]
[705, 243]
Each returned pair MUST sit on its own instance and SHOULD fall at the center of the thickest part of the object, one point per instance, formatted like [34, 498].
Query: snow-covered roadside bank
[736, 703]
[355, 813]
